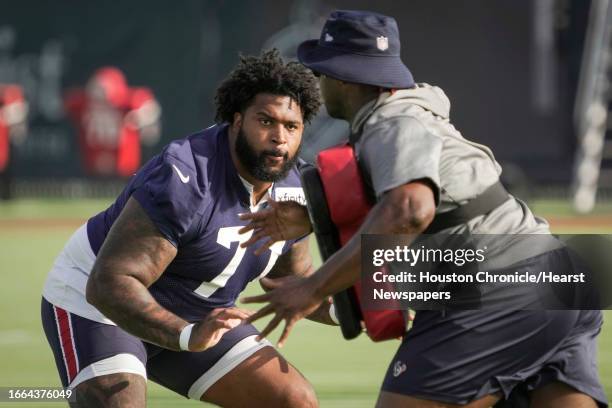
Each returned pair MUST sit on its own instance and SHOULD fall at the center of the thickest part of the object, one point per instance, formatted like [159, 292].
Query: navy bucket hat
[358, 46]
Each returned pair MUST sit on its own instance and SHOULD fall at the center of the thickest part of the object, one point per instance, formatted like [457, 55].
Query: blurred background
[90, 90]
[521, 76]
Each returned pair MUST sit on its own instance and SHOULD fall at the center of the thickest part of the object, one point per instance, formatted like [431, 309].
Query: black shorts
[84, 349]
[459, 356]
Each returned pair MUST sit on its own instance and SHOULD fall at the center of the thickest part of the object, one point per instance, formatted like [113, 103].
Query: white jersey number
[225, 237]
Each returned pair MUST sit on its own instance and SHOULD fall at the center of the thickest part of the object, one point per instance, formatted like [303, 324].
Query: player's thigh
[94, 359]
[238, 371]
[559, 395]
[393, 400]
[121, 390]
[265, 379]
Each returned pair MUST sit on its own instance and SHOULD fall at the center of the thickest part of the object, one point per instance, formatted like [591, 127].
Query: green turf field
[344, 374]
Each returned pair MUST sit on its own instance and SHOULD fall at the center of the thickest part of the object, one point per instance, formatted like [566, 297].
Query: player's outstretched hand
[291, 298]
[206, 333]
[281, 221]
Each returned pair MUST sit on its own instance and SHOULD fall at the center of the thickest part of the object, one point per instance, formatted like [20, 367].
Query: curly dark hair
[266, 74]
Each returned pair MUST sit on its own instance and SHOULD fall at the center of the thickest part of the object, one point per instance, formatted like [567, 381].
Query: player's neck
[257, 188]
[254, 196]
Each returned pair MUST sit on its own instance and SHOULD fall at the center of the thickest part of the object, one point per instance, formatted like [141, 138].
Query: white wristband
[185, 336]
[332, 314]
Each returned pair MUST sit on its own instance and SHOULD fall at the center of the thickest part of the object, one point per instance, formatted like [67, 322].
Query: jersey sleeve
[398, 151]
[170, 195]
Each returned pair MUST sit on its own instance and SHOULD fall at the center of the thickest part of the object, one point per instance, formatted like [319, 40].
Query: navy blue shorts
[84, 349]
[450, 356]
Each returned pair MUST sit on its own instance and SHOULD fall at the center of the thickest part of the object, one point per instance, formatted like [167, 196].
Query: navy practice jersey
[193, 194]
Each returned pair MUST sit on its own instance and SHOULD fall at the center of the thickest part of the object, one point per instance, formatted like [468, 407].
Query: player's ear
[237, 120]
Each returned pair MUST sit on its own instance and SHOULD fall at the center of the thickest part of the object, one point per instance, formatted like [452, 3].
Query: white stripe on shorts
[234, 356]
[119, 363]
[76, 356]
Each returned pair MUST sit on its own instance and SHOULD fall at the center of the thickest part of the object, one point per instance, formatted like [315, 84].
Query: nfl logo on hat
[382, 43]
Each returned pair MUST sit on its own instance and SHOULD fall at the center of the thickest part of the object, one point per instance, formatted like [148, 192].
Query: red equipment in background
[338, 204]
[13, 130]
[112, 120]
[13, 115]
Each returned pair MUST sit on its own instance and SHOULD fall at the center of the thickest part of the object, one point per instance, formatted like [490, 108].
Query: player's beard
[256, 163]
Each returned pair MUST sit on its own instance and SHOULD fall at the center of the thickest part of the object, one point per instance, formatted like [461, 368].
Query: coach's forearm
[128, 303]
[407, 209]
[340, 271]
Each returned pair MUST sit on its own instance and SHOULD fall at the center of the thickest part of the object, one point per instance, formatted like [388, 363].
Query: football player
[146, 288]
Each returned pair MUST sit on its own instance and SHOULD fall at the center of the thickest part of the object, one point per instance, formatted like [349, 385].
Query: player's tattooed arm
[132, 258]
[297, 264]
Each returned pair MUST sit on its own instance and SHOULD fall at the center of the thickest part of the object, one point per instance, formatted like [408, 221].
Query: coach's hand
[206, 333]
[281, 221]
[291, 298]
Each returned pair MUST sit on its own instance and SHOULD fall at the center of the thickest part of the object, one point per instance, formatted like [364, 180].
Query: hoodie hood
[430, 98]
[426, 96]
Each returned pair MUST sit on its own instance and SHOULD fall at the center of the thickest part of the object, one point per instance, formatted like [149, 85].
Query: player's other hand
[290, 298]
[207, 332]
[281, 221]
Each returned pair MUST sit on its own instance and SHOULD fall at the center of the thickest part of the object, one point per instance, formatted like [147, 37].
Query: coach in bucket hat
[421, 170]
[361, 47]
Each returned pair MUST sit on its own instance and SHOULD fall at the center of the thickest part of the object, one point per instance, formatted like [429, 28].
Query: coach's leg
[265, 379]
[393, 400]
[123, 390]
[559, 395]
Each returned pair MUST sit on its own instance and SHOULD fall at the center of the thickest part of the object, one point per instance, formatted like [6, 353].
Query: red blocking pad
[349, 205]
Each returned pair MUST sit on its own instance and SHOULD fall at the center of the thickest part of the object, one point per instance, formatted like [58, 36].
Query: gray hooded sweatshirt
[407, 135]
